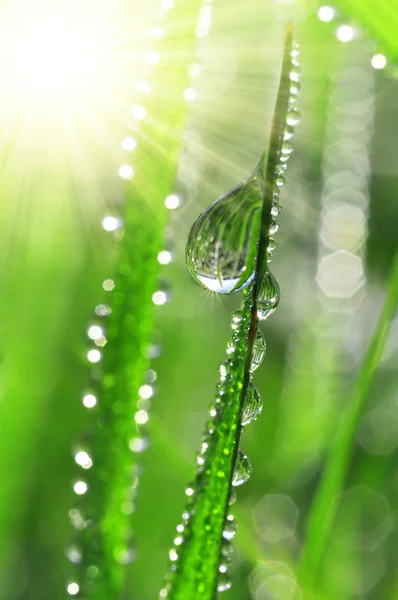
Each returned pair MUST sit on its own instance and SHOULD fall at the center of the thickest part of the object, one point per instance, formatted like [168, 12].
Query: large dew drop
[253, 405]
[268, 297]
[243, 470]
[221, 247]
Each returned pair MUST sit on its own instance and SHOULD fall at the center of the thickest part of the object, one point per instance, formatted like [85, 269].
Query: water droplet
[258, 350]
[92, 571]
[230, 527]
[74, 554]
[224, 371]
[296, 51]
[223, 565]
[221, 248]
[287, 148]
[295, 87]
[230, 347]
[273, 227]
[243, 470]
[276, 209]
[253, 405]
[280, 168]
[289, 132]
[227, 549]
[284, 158]
[224, 583]
[280, 181]
[232, 497]
[295, 73]
[269, 296]
[293, 117]
[271, 245]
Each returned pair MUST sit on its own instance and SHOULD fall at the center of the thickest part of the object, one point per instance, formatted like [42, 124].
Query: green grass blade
[320, 520]
[203, 538]
[105, 540]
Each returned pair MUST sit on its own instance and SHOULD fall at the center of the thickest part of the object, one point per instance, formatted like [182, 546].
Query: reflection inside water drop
[253, 405]
[242, 471]
[259, 347]
[221, 248]
[269, 296]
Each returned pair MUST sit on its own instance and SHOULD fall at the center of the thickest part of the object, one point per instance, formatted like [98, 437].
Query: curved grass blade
[201, 552]
[103, 544]
[324, 507]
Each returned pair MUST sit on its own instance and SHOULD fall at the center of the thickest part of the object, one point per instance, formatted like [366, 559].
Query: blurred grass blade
[324, 507]
[104, 512]
[201, 552]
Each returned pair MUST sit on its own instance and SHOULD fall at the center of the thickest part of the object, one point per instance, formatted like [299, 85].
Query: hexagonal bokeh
[278, 587]
[340, 275]
[354, 573]
[275, 518]
[343, 226]
[378, 431]
[364, 519]
[267, 570]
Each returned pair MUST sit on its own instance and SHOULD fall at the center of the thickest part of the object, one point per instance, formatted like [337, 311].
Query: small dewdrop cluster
[346, 33]
[85, 575]
[146, 392]
[84, 551]
[286, 147]
[206, 468]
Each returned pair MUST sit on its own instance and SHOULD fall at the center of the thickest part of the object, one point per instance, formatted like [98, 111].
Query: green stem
[196, 557]
[324, 507]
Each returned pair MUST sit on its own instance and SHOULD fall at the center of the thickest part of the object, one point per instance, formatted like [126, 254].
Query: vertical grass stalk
[200, 556]
[102, 515]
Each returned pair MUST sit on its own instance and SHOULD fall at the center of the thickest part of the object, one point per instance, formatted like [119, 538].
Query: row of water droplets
[221, 256]
[85, 575]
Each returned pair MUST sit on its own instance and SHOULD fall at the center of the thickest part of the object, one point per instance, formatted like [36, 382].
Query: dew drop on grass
[74, 554]
[288, 133]
[287, 147]
[258, 351]
[273, 227]
[293, 117]
[226, 549]
[230, 528]
[268, 298]
[280, 168]
[242, 471]
[224, 583]
[253, 405]
[232, 497]
[223, 565]
[295, 74]
[221, 247]
[276, 209]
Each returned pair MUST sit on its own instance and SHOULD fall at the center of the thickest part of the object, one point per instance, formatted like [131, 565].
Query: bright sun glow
[53, 55]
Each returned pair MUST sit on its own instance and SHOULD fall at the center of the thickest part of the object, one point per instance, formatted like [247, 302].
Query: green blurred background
[338, 234]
